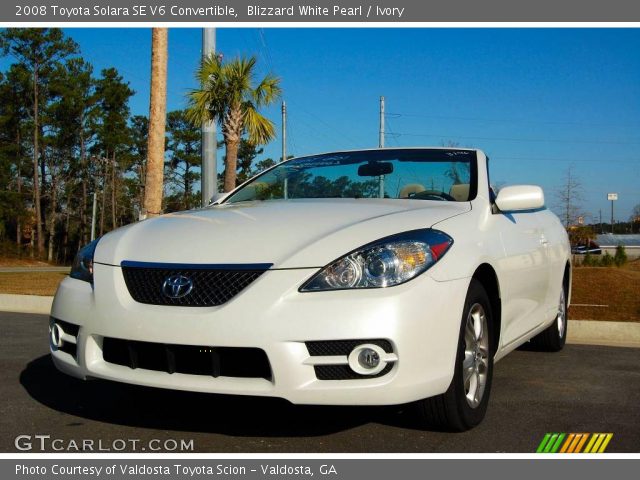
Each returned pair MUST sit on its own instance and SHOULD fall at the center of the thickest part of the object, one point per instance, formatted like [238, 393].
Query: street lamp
[612, 197]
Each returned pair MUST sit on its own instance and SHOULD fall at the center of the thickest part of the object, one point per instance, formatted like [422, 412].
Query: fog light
[55, 334]
[368, 358]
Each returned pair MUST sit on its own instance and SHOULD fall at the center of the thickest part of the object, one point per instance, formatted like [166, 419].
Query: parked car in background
[370, 277]
[592, 248]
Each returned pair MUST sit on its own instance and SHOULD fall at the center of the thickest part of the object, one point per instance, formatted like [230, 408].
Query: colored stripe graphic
[543, 443]
[581, 443]
[566, 445]
[574, 443]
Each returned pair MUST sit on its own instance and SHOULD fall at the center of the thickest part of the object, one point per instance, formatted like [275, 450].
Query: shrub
[607, 260]
[589, 260]
[620, 258]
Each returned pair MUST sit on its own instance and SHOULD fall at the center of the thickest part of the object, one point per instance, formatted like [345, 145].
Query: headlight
[384, 263]
[82, 268]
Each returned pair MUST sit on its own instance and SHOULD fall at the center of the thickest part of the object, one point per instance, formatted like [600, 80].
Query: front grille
[188, 359]
[326, 348]
[212, 285]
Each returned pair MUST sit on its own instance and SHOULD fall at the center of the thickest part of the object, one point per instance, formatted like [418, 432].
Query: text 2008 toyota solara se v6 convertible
[371, 277]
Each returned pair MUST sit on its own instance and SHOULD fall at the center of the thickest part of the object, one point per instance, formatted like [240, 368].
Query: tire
[462, 406]
[555, 336]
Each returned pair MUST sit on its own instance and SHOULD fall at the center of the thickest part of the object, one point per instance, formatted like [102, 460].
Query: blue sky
[535, 100]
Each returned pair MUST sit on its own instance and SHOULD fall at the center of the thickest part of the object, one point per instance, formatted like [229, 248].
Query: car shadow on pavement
[136, 406]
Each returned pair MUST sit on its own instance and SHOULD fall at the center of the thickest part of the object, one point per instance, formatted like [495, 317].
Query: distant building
[631, 242]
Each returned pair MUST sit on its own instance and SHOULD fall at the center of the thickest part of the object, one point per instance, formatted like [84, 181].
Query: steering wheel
[432, 195]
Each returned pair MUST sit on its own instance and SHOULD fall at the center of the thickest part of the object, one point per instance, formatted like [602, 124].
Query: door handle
[543, 240]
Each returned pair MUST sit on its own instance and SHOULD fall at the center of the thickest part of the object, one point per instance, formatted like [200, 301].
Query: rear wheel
[464, 404]
[555, 336]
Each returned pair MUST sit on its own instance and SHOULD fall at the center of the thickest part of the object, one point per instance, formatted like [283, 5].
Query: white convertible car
[370, 277]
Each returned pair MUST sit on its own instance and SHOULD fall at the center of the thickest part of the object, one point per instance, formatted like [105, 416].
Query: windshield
[419, 174]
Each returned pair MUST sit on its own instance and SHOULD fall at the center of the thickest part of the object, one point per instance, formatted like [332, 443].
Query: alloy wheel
[475, 366]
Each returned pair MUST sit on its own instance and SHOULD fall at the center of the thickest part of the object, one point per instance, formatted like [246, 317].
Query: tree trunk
[187, 203]
[83, 203]
[19, 188]
[157, 118]
[113, 191]
[36, 179]
[52, 219]
[65, 239]
[232, 132]
[230, 164]
[104, 198]
[83, 213]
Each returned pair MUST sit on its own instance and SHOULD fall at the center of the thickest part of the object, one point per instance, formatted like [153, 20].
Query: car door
[556, 250]
[524, 272]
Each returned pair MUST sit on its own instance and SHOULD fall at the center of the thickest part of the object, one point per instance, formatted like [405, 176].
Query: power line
[569, 160]
[520, 140]
[265, 52]
[506, 120]
[391, 134]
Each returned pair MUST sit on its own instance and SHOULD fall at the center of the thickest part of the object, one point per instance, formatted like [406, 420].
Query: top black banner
[265, 11]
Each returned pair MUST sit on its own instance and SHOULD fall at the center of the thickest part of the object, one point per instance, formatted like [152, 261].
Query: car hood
[284, 233]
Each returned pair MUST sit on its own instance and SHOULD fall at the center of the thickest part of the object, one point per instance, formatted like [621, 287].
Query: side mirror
[520, 197]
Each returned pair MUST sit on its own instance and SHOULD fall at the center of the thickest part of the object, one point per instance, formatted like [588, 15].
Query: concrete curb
[597, 332]
[25, 303]
[586, 332]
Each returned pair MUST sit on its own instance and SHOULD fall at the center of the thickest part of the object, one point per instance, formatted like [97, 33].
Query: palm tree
[157, 117]
[229, 96]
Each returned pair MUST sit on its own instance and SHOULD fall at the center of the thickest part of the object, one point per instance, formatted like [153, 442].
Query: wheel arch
[566, 281]
[488, 277]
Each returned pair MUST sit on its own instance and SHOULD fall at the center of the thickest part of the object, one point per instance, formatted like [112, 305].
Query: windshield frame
[384, 152]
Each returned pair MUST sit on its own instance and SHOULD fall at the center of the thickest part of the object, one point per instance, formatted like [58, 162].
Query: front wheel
[464, 404]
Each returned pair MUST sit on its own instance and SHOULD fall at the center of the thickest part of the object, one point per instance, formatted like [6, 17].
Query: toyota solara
[373, 277]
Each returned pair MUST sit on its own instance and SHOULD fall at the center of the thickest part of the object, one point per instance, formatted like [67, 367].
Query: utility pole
[284, 147]
[93, 216]
[209, 175]
[284, 130]
[381, 133]
[381, 142]
[600, 221]
[612, 197]
[612, 217]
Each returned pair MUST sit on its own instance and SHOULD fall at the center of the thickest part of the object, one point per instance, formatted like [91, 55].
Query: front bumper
[420, 319]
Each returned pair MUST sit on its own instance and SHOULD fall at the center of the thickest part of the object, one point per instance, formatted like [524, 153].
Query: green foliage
[183, 148]
[16, 166]
[581, 234]
[229, 96]
[620, 258]
[607, 260]
[90, 144]
[37, 49]
[228, 87]
[589, 260]
[113, 95]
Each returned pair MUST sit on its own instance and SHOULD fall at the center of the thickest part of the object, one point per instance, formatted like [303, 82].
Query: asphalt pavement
[586, 389]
